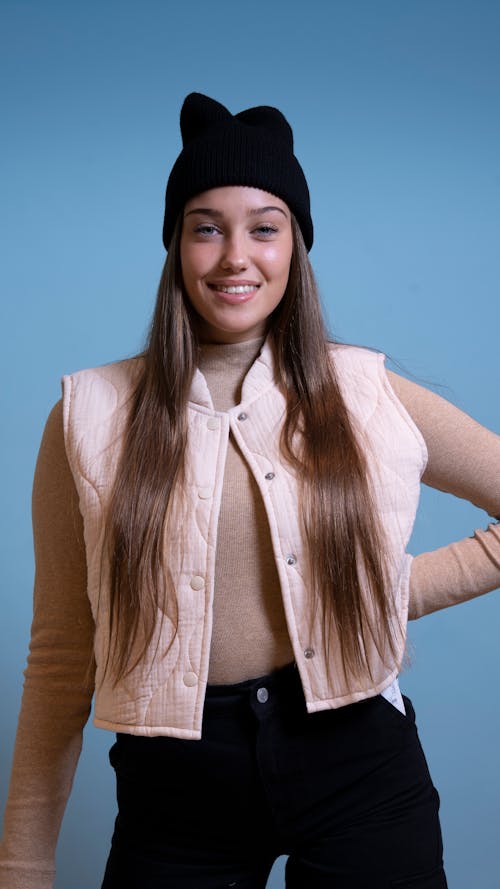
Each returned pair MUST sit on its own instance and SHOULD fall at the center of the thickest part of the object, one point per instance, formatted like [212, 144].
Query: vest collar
[261, 375]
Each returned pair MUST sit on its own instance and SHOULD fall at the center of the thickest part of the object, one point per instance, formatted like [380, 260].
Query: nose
[234, 256]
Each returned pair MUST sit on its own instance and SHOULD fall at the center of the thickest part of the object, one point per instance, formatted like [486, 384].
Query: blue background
[395, 108]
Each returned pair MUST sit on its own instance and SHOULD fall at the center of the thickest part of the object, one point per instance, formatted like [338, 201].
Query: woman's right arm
[59, 676]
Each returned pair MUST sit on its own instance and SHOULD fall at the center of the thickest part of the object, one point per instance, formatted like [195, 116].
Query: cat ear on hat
[271, 120]
[199, 112]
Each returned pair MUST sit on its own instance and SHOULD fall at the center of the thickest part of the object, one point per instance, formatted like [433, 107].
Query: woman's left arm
[464, 459]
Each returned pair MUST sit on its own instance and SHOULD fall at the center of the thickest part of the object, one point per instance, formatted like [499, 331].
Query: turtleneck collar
[225, 366]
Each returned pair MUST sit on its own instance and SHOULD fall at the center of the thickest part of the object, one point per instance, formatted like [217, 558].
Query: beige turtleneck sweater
[249, 630]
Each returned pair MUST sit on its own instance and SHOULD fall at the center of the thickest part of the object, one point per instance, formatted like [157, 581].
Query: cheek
[193, 265]
[277, 261]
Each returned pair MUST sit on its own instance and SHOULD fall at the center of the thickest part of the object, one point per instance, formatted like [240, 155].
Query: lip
[233, 282]
[233, 298]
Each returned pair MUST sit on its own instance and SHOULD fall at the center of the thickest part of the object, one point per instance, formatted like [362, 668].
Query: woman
[221, 524]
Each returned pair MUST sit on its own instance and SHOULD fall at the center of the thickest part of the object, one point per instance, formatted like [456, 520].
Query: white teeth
[242, 288]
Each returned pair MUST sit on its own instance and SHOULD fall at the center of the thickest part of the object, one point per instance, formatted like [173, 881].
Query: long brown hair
[318, 439]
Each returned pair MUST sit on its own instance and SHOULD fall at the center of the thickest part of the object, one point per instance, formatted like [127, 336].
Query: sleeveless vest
[164, 694]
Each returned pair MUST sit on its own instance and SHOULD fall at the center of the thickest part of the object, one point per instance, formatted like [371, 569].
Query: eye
[266, 230]
[207, 229]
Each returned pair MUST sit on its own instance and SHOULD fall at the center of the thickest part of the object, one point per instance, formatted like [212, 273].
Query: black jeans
[346, 794]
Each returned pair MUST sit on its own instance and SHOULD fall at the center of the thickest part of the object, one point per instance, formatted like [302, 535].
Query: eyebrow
[218, 214]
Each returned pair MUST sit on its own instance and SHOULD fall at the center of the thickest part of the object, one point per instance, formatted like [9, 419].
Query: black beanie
[254, 147]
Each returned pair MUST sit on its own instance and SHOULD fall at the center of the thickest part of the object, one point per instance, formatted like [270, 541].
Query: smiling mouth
[240, 288]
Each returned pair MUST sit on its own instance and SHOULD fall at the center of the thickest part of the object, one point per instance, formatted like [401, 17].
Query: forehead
[230, 199]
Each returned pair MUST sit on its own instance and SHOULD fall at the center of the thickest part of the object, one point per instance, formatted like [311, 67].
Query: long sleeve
[464, 460]
[58, 678]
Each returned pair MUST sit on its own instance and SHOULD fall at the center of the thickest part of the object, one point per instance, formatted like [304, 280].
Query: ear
[198, 113]
[270, 119]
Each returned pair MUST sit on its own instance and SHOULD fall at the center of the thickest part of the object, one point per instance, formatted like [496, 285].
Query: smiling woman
[220, 530]
[236, 248]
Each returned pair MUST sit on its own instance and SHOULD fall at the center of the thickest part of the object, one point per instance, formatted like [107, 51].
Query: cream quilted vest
[164, 694]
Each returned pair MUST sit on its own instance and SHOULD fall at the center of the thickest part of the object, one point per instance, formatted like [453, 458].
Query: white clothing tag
[393, 694]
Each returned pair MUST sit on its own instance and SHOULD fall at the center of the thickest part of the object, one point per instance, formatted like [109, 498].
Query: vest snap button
[269, 476]
[190, 679]
[308, 653]
[243, 416]
[291, 559]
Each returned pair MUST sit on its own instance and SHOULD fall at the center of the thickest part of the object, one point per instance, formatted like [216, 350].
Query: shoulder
[357, 368]
[109, 385]
[96, 402]
[368, 392]
[117, 374]
[356, 359]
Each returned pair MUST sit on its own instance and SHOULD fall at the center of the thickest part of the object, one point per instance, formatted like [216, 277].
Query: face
[236, 247]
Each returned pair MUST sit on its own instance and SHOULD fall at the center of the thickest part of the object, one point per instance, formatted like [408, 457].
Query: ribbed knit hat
[254, 147]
